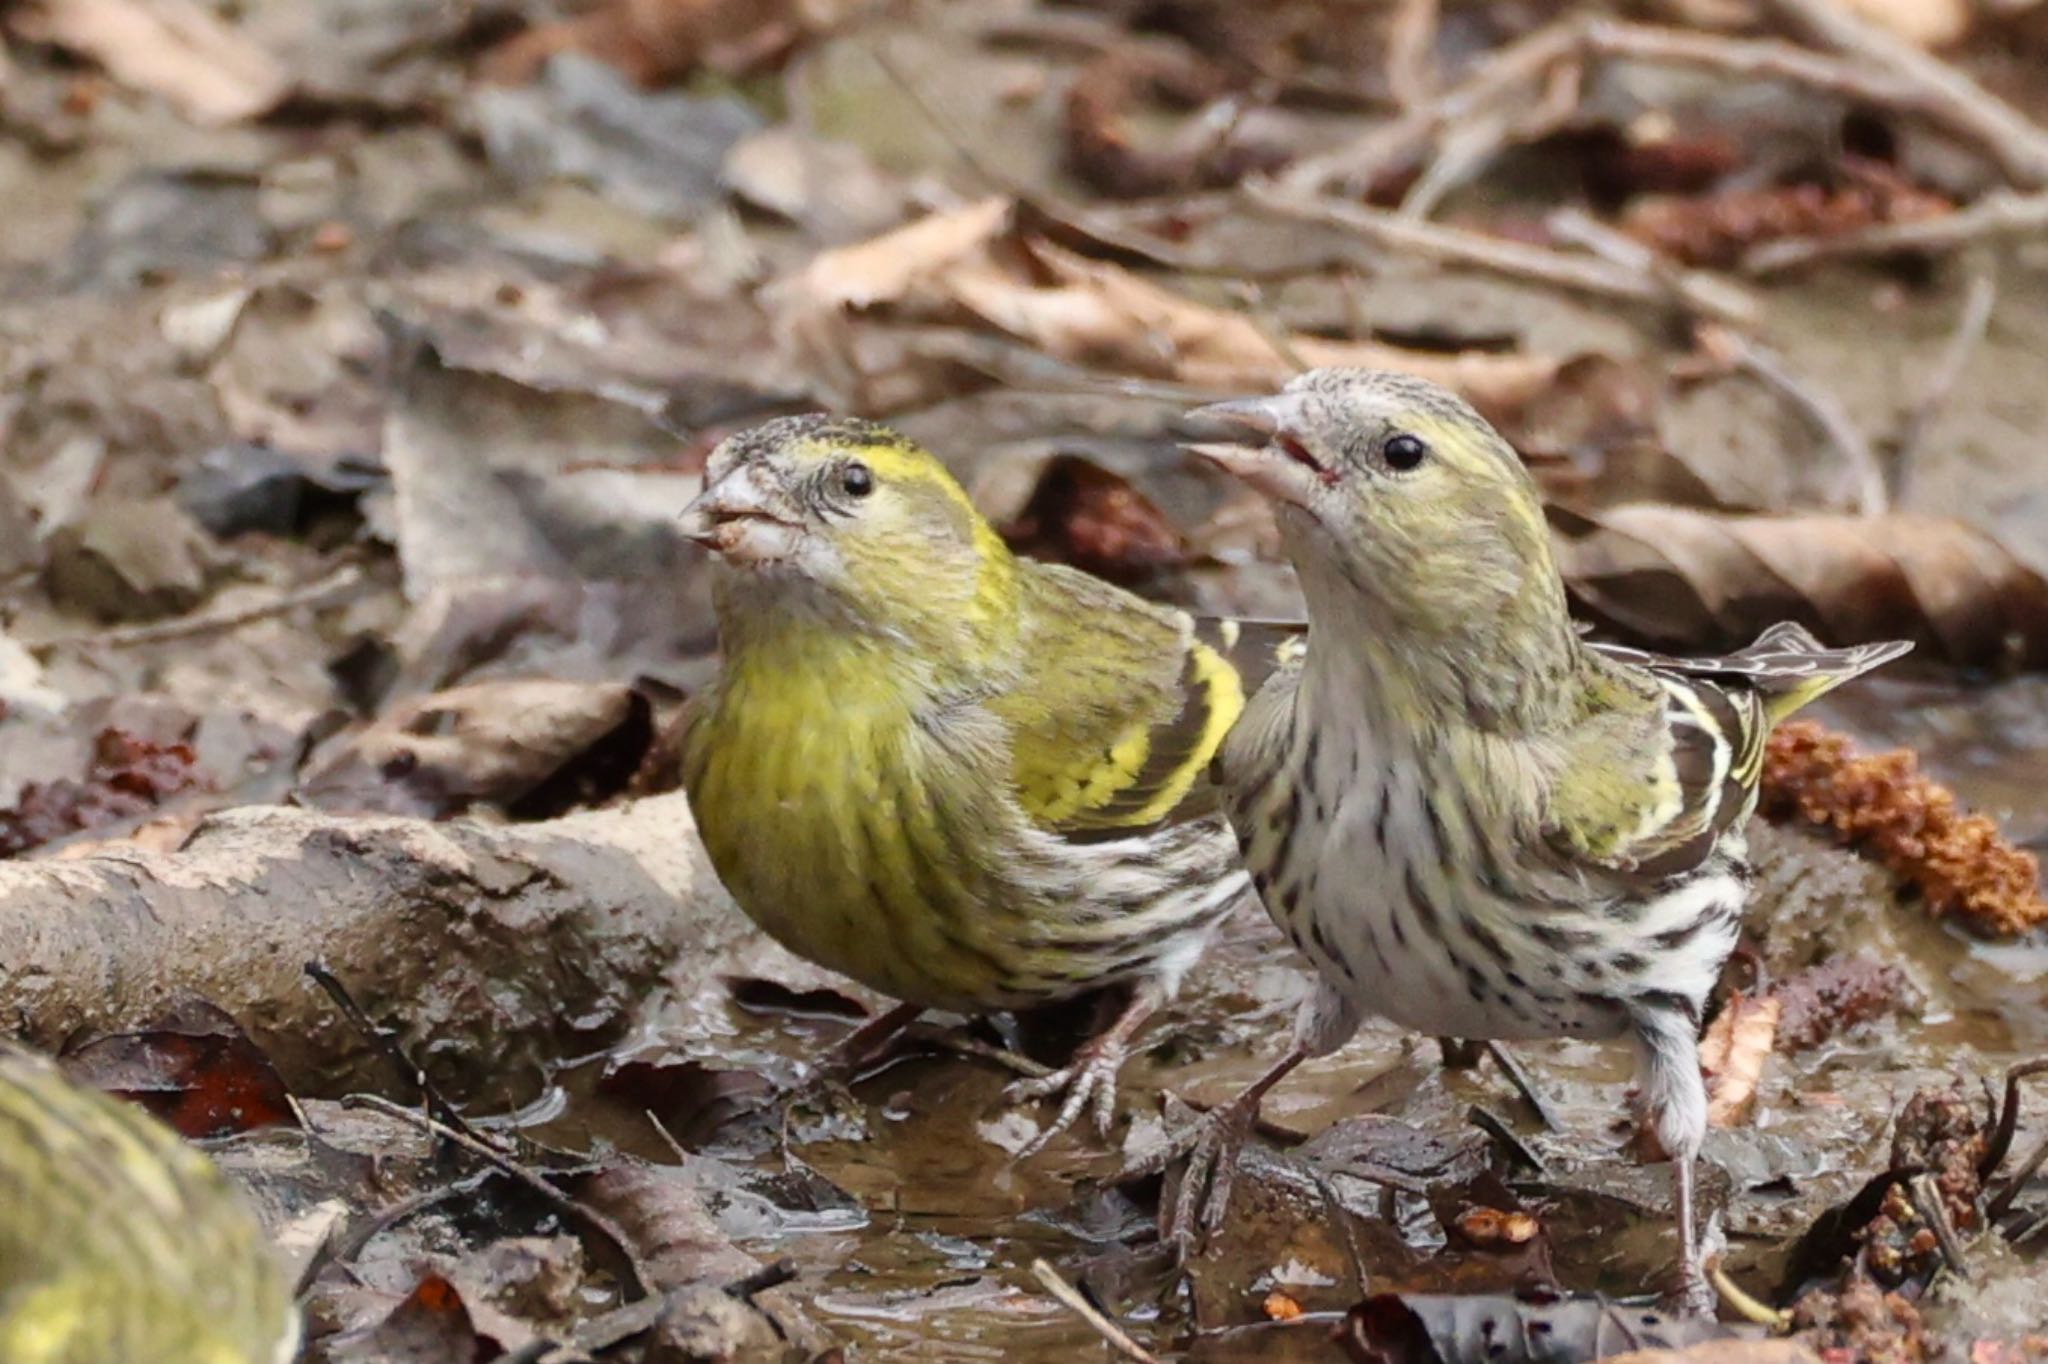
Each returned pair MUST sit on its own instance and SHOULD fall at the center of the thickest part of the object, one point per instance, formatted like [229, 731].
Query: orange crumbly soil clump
[1885, 806]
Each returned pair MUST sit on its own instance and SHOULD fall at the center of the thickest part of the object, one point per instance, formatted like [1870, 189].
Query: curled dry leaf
[1090, 314]
[432, 1325]
[1693, 580]
[1101, 315]
[883, 269]
[1884, 806]
[1733, 1052]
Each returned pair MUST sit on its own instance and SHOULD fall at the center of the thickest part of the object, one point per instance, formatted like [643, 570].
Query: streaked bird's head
[1392, 487]
[851, 523]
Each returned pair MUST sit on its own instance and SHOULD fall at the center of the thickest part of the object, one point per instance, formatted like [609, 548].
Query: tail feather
[1786, 666]
[1793, 669]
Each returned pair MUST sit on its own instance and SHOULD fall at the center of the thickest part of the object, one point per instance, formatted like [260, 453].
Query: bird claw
[1202, 1198]
[1089, 1084]
[1693, 1296]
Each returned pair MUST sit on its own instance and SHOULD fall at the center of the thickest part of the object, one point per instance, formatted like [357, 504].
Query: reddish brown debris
[1863, 1324]
[129, 777]
[1833, 997]
[1719, 229]
[655, 41]
[1885, 807]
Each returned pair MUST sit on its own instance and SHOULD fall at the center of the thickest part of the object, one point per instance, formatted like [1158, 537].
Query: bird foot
[1203, 1196]
[1693, 1296]
[1208, 1151]
[1089, 1084]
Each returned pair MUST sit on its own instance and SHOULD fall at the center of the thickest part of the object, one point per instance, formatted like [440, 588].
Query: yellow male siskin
[967, 780]
[1471, 821]
[119, 1244]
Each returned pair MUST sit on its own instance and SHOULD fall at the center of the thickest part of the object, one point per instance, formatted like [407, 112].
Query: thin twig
[2010, 1191]
[2018, 143]
[339, 586]
[761, 1280]
[1072, 1299]
[1492, 106]
[1271, 329]
[1820, 407]
[1705, 293]
[1457, 246]
[596, 1335]
[1927, 1202]
[1971, 325]
[385, 1041]
[490, 1155]
[1411, 51]
[1350, 170]
[1999, 213]
[1519, 1079]
[1496, 1127]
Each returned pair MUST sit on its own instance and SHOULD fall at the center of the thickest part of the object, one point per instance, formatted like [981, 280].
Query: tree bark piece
[494, 950]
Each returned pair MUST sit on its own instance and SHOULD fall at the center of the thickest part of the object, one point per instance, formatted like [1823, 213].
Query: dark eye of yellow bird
[857, 479]
[1404, 452]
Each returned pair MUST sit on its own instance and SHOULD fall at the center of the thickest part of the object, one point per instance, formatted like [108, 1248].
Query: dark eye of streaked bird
[857, 479]
[1404, 452]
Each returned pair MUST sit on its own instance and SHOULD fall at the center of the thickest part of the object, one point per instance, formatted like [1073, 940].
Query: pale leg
[1092, 1075]
[1675, 1103]
[1326, 1021]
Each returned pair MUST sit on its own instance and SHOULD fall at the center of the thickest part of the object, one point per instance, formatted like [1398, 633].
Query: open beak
[1260, 446]
[742, 516]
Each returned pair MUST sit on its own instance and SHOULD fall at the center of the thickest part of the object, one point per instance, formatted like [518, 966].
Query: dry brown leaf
[173, 48]
[1085, 312]
[1733, 1052]
[884, 269]
[1693, 580]
[1103, 316]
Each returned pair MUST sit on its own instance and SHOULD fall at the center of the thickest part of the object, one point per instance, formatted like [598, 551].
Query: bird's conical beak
[1257, 443]
[742, 515]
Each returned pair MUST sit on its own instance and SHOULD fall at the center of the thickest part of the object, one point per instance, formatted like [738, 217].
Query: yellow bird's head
[851, 524]
[1392, 487]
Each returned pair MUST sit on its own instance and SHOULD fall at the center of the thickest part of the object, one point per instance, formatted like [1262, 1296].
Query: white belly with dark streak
[1365, 861]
